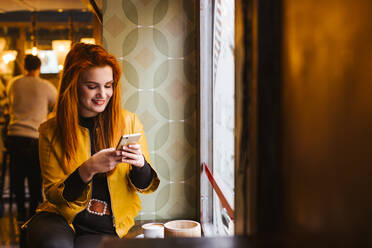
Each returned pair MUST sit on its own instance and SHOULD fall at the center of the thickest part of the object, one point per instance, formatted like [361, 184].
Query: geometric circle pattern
[160, 11]
[190, 170]
[130, 73]
[162, 166]
[161, 42]
[155, 41]
[161, 105]
[130, 11]
[162, 136]
[163, 197]
[161, 73]
[130, 42]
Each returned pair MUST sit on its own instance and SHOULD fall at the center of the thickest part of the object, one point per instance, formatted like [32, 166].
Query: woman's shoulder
[127, 115]
[49, 125]
[130, 118]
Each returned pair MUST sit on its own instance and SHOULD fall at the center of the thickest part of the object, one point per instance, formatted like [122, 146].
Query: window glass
[223, 110]
[217, 94]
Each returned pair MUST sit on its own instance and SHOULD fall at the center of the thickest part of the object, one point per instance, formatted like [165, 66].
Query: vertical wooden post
[20, 47]
[97, 30]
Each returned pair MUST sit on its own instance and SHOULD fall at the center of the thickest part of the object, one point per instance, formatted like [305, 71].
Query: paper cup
[182, 228]
[153, 230]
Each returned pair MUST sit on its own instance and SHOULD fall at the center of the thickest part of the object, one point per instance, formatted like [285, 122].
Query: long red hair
[108, 123]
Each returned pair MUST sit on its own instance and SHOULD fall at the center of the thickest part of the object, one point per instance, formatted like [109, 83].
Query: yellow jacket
[125, 202]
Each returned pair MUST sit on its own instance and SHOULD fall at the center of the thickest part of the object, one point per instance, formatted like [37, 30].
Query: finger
[132, 161]
[130, 155]
[137, 151]
[119, 159]
[116, 153]
[128, 160]
[134, 146]
[111, 152]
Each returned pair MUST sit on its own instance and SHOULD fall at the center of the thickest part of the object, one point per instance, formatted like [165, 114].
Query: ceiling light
[88, 40]
[61, 48]
[34, 51]
[9, 56]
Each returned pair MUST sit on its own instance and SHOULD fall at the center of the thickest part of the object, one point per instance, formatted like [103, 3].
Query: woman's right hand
[101, 162]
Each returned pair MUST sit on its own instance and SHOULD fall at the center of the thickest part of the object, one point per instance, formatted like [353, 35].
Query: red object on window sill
[218, 191]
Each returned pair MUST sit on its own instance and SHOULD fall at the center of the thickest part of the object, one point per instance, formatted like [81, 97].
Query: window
[49, 62]
[217, 113]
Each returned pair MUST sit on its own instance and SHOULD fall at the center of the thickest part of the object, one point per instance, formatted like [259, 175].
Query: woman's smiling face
[95, 88]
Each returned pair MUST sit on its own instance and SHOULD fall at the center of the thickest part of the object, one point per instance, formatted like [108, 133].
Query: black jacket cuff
[141, 176]
[74, 186]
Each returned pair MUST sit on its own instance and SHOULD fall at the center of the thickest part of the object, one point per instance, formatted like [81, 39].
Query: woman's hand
[101, 162]
[132, 155]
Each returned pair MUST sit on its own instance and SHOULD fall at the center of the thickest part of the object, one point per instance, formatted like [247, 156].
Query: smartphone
[127, 139]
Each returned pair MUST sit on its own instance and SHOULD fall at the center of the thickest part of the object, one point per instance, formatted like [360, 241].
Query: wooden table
[324, 240]
[220, 242]
[137, 228]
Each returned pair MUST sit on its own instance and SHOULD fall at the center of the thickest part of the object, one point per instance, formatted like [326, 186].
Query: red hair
[80, 58]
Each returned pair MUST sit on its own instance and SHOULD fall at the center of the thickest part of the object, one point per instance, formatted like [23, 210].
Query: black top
[85, 222]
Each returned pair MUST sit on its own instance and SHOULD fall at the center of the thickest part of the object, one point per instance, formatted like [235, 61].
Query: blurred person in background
[30, 100]
[4, 120]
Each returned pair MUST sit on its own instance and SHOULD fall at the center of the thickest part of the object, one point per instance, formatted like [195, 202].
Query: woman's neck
[87, 122]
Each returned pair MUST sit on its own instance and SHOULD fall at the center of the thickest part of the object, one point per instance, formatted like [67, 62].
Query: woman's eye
[91, 87]
[108, 86]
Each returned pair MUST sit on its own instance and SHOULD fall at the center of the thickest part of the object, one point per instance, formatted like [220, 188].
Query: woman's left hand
[132, 155]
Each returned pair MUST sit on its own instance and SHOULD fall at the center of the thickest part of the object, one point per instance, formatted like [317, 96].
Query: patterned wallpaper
[155, 41]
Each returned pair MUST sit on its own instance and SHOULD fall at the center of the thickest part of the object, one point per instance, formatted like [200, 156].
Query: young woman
[90, 189]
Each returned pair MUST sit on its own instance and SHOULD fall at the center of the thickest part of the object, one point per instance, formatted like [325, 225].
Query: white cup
[153, 230]
[182, 228]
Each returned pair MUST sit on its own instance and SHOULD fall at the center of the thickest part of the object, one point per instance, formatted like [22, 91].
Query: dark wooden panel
[327, 116]
[315, 117]
[269, 116]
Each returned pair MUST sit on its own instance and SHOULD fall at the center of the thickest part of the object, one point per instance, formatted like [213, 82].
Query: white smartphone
[127, 139]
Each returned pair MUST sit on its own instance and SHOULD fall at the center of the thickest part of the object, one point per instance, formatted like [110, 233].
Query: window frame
[206, 110]
[208, 196]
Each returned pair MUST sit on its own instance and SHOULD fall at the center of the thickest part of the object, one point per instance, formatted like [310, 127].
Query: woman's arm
[55, 177]
[101, 162]
[141, 176]
[74, 186]
[150, 176]
[53, 173]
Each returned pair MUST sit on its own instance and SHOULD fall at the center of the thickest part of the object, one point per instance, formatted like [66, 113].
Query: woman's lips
[99, 101]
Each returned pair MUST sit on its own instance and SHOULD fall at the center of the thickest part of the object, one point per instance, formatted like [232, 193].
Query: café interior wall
[155, 44]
